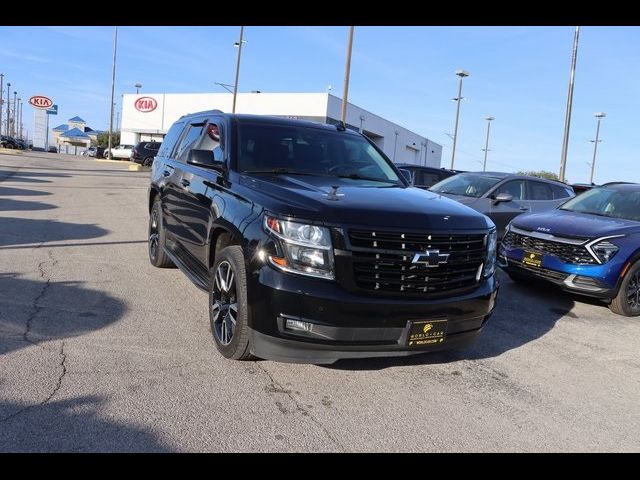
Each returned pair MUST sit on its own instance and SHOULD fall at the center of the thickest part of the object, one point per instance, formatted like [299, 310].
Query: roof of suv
[270, 119]
[623, 186]
[514, 176]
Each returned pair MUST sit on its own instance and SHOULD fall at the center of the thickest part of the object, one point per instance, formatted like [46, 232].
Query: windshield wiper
[355, 176]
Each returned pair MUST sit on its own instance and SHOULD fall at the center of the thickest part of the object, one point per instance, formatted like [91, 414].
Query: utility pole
[486, 145]
[8, 108]
[1, 98]
[235, 85]
[19, 124]
[599, 116]
[347, 74]
[567, 116]
[113, 85]
[461, 74]
[13, 123]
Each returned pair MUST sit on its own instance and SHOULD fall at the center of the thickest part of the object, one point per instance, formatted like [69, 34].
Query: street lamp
[8, 110]
[13, 124]
[235, 85]
[18, 117]
[1, 96]
[395, 144]
[486, 144]
[461, 74]
[567, 115]
[113, 86]
[138, 87]
[361, 120]
[599, 116]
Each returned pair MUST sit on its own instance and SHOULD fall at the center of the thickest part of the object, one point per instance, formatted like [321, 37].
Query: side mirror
[204, 158]
[406, 174]
[502, 197]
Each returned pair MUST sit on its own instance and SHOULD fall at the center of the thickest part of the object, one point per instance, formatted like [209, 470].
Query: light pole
[19, 116]
[113, 85]
[13, 124]
[395, 144]
[567, 115]
[361, 120]
[1, 98]
[486, 144]
[599, 116]
[461, 74]
[235, 85]
[138, 87]
[347, 74]
[8, 106]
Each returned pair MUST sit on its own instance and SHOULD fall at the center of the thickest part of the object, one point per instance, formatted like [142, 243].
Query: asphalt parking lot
[99, 351]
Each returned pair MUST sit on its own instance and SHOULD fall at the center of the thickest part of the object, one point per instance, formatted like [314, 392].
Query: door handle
[185, 182]
[166, 173]
[524, 208]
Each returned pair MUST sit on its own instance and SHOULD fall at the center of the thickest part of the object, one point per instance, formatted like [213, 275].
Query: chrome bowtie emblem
[430, 258]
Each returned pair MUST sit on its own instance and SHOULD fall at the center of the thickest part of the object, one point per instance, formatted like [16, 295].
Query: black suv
[311, 245]
[144, 152]
[425, 177]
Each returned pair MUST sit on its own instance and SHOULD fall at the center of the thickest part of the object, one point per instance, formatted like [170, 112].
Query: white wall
[409, 147]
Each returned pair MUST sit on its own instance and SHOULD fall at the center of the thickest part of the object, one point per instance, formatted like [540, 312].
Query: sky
[519, 75]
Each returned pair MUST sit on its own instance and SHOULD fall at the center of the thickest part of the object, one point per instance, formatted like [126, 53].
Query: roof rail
[618, 183]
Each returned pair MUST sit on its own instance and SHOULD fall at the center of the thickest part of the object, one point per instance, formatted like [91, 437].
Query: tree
[541, 174]
[103, 139]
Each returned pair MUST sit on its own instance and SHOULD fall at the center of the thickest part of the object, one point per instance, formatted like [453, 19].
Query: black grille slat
[382, 261]
[568, 253]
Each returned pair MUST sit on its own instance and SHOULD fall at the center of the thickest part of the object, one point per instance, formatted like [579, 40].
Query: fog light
[298, 325]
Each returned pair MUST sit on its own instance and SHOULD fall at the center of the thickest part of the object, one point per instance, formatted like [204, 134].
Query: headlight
[602, 250]
[307, 248]
[490, 263]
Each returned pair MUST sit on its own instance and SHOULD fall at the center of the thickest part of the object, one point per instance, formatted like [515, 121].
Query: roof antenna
[341, 127]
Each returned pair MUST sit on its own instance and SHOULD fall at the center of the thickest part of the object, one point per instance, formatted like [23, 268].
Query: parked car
[22, 145]
[311, 245]
[9, 142]
[590, 245]
[91, 152]
[144, 152]
[503, 196]
[119, 152]
[425, 177]
[52, 149]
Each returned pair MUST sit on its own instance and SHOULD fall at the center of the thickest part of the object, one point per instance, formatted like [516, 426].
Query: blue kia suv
[589, 245]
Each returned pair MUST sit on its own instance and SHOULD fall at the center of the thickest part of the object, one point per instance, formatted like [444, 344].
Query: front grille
[539, 271]
[568, 253]
[382, 261]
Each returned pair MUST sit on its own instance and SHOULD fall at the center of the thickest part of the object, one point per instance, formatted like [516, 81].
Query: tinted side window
[539, 191]
[427, 179]
[192, 135]
[560, 192]
[210, 142]
[515, 188]
[170, 139]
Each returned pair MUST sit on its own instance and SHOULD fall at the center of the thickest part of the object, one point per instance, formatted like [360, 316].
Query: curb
[10, 151]
[106, 160]
[138, 168]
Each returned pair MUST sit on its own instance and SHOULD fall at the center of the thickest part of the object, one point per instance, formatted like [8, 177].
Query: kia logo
[40, 101]
[146, 104]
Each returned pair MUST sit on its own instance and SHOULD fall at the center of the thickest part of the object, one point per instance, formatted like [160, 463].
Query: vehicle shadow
[523, 314]
[13, 191]
[10, 205]
[20, 175]
[18, 231]
[32, 311]
[74, 425]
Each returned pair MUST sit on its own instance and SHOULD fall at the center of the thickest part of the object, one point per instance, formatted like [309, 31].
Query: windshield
[466, 184]
[606, 202]
[303, 150]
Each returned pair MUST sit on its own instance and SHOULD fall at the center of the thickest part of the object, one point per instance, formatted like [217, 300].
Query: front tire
[627, 301]
[156, 243]
[228, 309]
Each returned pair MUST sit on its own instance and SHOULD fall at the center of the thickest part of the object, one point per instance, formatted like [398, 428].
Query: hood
[360, 202]
[563, 223]
[459, 198]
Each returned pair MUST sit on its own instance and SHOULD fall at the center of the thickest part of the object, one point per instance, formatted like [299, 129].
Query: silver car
[503, 196]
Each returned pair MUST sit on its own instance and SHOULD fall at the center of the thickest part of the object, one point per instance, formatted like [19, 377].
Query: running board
[198, 282]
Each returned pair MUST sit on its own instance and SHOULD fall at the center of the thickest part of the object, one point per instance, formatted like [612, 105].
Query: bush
[541, 174]
[103, 139]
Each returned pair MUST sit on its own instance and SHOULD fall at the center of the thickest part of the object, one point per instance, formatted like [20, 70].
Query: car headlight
[602, 249]
[490, 263]
[307, 248]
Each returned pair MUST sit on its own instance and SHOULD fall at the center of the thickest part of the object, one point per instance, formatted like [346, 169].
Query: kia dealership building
[149, 116]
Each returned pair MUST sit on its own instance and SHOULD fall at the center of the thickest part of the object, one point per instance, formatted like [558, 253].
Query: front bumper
[599, 281]
[353, 325]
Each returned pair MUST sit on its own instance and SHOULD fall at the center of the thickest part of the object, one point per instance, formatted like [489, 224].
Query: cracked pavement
[99, 351]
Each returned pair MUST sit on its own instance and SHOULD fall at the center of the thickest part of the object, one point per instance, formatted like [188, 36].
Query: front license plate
[427, 332]
[532, 259]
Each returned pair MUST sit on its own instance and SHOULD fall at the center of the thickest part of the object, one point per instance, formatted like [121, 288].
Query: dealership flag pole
[347, 72]
[113, 84]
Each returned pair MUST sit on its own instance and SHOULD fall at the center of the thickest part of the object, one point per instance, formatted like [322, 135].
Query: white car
[121, 151]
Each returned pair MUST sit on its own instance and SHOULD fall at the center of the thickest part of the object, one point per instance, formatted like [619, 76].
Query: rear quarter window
[170, 139]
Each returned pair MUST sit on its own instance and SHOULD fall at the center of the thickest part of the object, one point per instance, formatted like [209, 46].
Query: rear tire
[147, 162]
[228, 309]
[627, 301]
[156, 243]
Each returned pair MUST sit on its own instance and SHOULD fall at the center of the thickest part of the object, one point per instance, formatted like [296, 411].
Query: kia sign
[41, 102]
[146, 104]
